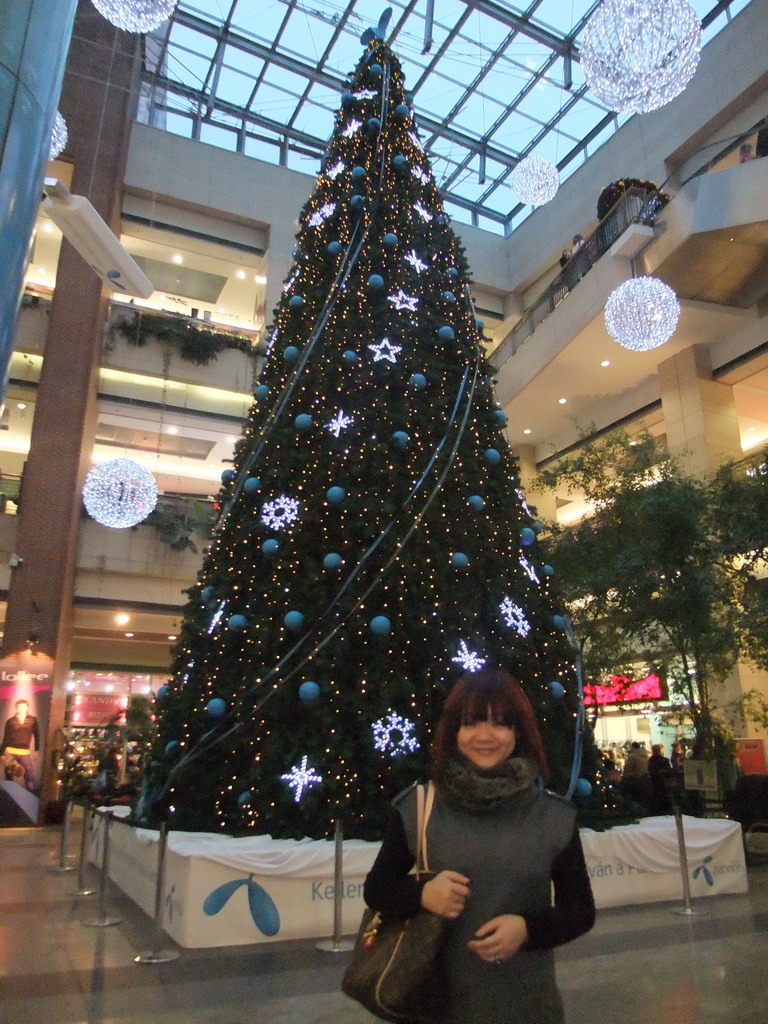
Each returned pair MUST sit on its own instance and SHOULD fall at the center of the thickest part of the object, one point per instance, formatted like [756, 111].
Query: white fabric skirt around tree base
[221, 891]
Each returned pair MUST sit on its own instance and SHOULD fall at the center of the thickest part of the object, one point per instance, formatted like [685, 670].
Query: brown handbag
[395, 971]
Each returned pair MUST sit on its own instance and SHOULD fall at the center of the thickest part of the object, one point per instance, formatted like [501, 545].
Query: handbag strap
[423, 810]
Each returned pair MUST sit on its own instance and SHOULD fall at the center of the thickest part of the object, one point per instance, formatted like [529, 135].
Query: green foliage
[176, 521]
[198, 345]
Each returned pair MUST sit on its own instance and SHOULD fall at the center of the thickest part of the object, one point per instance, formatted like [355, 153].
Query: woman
[497, 841]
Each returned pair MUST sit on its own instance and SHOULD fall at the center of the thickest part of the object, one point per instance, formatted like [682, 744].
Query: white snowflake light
[59, 136]
[119, 493]
[535, 181]
[529, 569]
[322, 214]
[339, 422]
[301, 777]
[422, 211]
[514, 616]
[280, 512]
[420, 175]
[353, 126]
[216, 617]
[642, 313]
[335, 171]
[393, 734]
[136, 15]
[470, 661]
[416, 141]
[413, 258]
[402, 301]
[365, 94]
[271, 342]
[385, 350]
[638, 56]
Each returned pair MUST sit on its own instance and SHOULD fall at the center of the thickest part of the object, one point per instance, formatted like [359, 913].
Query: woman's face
[486, 743]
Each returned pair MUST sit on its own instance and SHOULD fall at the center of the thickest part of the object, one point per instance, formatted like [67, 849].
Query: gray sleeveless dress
[507, 854]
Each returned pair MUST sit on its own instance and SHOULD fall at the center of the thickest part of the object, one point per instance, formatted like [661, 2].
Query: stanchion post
[158, 955]
[337, 944]
[82, 889]
[61, 867]
[686, 910]
[104, 920]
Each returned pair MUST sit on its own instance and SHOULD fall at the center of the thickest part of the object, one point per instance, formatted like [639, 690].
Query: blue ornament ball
[251, 485]
[261, 392]
[492, 457]
[442, 219]
[527, 536]
[293, 620]
[357, 202]
[290, 354]
[583, 788]
[419, 381]
[480, 324]
[375, 282]
[332, 560]
[452, 272]
[548, 570]
[373, 125]
[400, 439]
[556, 689]
[446, 333]
[171, 747]
[358, 173]
[402, 110]
[476, 502]
[163, 692]
[558, 622]
[350, 356]
[206, 594]
[296, 302]
[335, 495]
[376, 70]
[216, 707]
[500, 416]
[303, 421]
[228, 476]
[537, 527]
[347, 99]
[334, 248]
[390, 240]
[459, 560]
[400, 162]
[448, 297]
[380, 625]
[245, 798]
[269, 547]
[309, 692]
[237, 623]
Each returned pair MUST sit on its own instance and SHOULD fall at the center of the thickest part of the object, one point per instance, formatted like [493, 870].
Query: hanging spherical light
[136, 15]
[638, 56]
[59, 136]
[535, 181]
[642, 313]
[119, 493]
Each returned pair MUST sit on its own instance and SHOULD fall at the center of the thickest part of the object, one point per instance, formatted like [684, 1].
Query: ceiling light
[177, 258]
[220, 309]
[231, 440]
[562, 401]
[606, 362]
[47, 227]
[172, 636]
[260, 279]
[119, 493]
[122, 619]
[135, 15]
[41, 270]
[240, 274]
[129, 634]
[527, 430]
[642, 313]
[535, 181]
[21, 405]
[171, 430]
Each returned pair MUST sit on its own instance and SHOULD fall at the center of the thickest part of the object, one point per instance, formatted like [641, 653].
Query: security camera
[15, 561]
[89, 234]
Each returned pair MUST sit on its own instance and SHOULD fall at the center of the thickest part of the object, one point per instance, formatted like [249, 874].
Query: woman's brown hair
[469, 701]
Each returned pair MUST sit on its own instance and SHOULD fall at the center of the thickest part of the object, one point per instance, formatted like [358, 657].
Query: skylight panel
[478, 114]
[246, 63]
[197, 42]
[283, 79]
[232, 87]
[314, 120]
[543, 102]
[306, 35]
[188, 68]
[437, 97]
[262, 20]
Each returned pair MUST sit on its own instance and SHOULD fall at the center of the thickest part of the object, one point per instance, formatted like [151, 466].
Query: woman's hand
[446, 894]
[500, 938]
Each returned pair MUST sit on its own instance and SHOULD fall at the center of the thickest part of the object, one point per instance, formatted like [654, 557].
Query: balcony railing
[635, 206]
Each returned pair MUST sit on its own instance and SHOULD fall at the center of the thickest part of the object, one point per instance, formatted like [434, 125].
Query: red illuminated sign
[622, 691]
[97, 708]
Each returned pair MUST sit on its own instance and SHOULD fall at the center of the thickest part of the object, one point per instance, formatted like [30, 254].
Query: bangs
[479, 703]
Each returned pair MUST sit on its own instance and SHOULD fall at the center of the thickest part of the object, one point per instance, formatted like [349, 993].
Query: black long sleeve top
[390, 889]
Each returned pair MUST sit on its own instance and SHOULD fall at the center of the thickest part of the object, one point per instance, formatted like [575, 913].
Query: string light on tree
[422, 211]
[339, 422]
[216, 617]
[353, 127]
[470, 661]
[385, 350]
[59, 136]
[529, 569]
[301, 777]
[535, 181]
[280, 512]
[420, 175]
[637, 57]
[524, 503]
[335, 171]
[136, 15]
[416, 141]
[394, 734]
[642, 313]
[119, 493]
[418, 265]
[319, 216]
[514, 616]
[365, 94]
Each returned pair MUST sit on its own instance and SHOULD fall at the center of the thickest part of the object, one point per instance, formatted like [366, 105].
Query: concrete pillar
[545, 502]
[699, 414]
[33, 47]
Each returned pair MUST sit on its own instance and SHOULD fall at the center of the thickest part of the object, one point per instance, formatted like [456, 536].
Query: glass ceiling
[493, 82]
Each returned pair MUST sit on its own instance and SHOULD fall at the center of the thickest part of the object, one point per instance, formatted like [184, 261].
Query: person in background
[634, 778]
[659, 772]
[745, 153]
[499, 844]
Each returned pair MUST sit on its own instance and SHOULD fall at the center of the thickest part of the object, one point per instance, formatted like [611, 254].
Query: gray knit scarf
[491, 789]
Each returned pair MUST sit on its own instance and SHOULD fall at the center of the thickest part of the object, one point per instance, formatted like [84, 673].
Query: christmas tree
[372, 542]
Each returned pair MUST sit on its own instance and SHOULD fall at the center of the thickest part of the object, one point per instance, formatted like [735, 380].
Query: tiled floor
[640, 965]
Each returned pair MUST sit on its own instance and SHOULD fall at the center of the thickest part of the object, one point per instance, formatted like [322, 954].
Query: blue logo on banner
[263, 910]
[702, 869]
